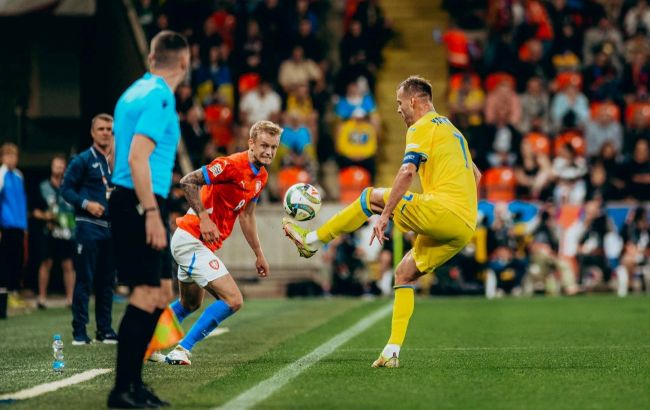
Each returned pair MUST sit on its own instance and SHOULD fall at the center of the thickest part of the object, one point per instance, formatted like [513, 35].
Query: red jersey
[232, 182]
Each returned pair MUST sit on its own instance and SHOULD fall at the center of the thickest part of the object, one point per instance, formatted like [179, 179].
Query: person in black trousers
[147, 133]
[87, 186]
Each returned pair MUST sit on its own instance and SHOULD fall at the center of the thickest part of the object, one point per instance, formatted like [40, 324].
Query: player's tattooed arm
[191, 185]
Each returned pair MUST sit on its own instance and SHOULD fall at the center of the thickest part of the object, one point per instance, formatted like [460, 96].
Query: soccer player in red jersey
[218, 194]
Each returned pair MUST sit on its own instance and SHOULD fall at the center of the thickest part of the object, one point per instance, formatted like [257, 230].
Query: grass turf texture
[591, 352]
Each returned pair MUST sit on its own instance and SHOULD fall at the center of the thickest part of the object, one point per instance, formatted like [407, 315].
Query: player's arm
[141, 148]
[191, 185]
[248, 224]
[400, 186]
[477, 174]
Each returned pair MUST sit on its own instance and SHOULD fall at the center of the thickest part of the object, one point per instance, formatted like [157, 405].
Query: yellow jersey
[446, 167]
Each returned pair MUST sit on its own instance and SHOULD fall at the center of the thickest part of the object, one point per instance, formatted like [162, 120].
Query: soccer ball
[302, 202]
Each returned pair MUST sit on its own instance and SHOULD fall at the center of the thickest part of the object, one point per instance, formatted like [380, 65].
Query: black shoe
[81, 340]
[145, 394]
[109, 338]
[124, 400]
[41, 306]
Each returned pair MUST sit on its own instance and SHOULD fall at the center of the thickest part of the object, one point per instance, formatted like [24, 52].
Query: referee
[146, 135]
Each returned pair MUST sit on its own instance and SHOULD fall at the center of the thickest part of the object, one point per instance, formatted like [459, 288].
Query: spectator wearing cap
[298, 70]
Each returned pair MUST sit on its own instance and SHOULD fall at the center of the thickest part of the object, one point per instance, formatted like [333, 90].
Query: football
[302, 201]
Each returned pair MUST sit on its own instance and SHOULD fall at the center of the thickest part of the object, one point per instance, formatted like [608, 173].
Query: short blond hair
[9, 148]
[267, 127]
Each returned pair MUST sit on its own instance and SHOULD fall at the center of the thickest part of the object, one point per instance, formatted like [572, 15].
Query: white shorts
[196, 263]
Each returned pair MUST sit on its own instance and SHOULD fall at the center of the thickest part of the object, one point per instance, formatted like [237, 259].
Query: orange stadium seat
[539, 142]
[289, 176]
[596, 107]
[456, 80]
[353, 180]
[247, 82]
[570, 137]
[495, 79]
[568, 78]
[499, 184]
[637, 109]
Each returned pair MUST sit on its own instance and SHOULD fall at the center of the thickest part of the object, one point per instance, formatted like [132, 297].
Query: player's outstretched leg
[191, 297]
[229, 301]
[347, 220]
[403, 306]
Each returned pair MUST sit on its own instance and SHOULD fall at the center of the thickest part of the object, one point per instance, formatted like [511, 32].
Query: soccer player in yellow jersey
[443, 216]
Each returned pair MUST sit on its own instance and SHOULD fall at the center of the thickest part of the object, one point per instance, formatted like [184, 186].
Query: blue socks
[207, 322]
[180, 312]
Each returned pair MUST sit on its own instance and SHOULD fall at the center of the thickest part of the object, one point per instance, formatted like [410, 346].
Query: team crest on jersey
[216, 169]
[214, 264]
[258, 186]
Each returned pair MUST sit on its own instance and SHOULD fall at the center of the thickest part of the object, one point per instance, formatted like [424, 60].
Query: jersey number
[462, 146]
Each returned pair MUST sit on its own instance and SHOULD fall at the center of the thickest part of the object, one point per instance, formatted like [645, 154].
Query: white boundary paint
[53, 386]
[267, 387]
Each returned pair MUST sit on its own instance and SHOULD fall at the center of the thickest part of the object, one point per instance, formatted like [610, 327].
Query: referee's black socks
[134, 335]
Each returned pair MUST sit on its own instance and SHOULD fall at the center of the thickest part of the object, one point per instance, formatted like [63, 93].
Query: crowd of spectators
[273, 59]
[553, 99]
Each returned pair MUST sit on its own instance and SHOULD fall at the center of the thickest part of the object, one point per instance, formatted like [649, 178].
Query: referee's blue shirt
[147, 107]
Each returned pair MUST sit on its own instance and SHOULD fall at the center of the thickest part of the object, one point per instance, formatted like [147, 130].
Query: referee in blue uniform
[146, 135]
[87, 185]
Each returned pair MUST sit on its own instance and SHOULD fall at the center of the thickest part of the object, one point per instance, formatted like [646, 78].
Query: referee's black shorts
[137, 263]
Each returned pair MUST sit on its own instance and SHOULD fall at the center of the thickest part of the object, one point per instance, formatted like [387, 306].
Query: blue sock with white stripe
[207, 322]
[179, 310]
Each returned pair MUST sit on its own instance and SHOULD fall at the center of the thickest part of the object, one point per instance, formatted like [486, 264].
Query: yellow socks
[402, 311]
[348, 220]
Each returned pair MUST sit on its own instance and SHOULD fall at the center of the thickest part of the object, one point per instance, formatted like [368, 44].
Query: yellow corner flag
[168, 332]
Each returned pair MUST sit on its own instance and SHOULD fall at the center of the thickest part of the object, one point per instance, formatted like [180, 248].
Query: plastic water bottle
[57, 351]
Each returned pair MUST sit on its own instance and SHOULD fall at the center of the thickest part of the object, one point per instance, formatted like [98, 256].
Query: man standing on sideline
[13, 224]
[146, 136]
[57, 218]
[87, 186]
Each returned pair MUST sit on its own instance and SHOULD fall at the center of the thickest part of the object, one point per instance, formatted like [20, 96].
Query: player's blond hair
[267, 127]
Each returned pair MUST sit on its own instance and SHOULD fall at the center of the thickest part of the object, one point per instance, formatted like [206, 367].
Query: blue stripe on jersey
[204, 169]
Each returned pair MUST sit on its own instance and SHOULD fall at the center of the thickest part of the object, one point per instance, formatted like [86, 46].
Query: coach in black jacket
[87, 186]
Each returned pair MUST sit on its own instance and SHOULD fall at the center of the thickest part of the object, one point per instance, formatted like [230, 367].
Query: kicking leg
[351, 218]
[229, 300]
[405, 277]
[191, 298]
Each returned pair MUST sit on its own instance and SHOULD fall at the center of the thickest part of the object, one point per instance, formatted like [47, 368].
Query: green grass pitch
[463, 353]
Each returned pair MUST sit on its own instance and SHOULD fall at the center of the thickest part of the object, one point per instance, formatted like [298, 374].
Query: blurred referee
[146, 135]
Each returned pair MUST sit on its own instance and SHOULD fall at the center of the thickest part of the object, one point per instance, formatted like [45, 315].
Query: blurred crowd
[553, 98]
[276, 60]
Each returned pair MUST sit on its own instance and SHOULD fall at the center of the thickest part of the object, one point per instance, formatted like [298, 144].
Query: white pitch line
[267, 387]
[52, 386]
